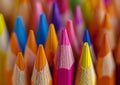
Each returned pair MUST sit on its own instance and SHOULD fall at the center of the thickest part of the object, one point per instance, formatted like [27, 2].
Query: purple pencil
[64, 61]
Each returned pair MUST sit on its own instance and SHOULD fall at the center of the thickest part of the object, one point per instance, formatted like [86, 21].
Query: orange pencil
[19, 71]
[108, 29]
[97, 20]
[105, 66]
[13, 49]
[51, 45]
[117, 58]
[41, 73]
[30, 55]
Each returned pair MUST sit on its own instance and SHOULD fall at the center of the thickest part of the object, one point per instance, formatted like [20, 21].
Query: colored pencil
[13, 49]
[51, 45]
[108, 29]
[105, 66]
[64, 61]
[41, 73]
[42, 31]
[87, 39]
[87, 11]
[79, 25]
[85, 74]
[20, 31]
[64, 10]
[97, 20]
[117, 59]
[19, 71]
[73, 39]
[3, 47]
[30, 55]
[56, 18]
[37, 11]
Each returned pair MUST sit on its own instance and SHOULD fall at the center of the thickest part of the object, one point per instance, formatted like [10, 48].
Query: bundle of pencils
[59, 42]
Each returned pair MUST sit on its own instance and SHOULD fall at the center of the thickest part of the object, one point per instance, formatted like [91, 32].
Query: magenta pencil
[79, 25]
[73, 39]
[64, 10]
[64, 61]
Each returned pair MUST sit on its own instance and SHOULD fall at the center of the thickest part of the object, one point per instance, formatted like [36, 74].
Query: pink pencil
[73, 39]
[64, 61]
[37, 10]
[79, 25]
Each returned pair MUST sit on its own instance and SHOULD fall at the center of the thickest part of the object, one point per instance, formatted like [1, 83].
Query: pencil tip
[14, 44]
[78, 15]
[106, 22]
[20, 61]
[2, 24]
[64, 40]
[52, 36]
[86, 37]
[31, 42]
[56, 17]
[42, 31]
[85, 59]
[20, 31]
[41, 58]
[105, 48]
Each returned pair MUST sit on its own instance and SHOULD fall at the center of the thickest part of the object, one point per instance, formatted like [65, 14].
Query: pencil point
[20, 31]
[40, 59]
[85, 59]
[52, 36]
[78, 15]
[105, 48]
[2, 24]
[31, 42]
[56, 17]
[86, 37]
[64, 40]
[106, 22]
[42, 31]
[20, 61]
[14, 44]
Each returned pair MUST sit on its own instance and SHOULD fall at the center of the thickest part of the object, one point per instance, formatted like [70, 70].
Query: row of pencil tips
[65, 60]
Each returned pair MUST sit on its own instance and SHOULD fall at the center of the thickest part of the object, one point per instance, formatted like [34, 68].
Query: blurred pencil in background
[3, 48]
[13, 49]
[105, 66]
[30, 55]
